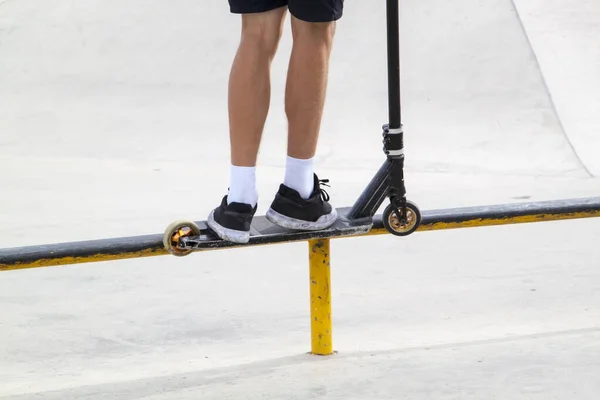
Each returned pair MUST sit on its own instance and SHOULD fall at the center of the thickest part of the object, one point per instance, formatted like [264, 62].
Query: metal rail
[151, 245]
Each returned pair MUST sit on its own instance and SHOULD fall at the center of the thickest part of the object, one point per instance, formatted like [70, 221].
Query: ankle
[299, 175]
[242, 187]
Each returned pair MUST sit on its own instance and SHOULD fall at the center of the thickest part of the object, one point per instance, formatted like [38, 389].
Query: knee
[316, 32]
[263, 34]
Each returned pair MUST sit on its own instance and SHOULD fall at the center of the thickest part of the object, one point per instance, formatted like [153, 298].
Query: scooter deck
[263, 231]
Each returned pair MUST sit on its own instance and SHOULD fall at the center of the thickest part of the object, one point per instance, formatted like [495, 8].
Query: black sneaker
[289, 210]
[231, 222]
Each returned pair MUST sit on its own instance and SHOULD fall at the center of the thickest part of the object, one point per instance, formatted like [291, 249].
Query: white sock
[242, 187]
[299, 175]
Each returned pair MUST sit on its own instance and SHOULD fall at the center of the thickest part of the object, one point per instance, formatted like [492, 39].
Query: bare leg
[307, 84]
[305, 100]
[249, 84]
[249, 99]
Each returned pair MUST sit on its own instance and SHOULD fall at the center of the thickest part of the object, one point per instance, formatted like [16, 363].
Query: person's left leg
[300, 202]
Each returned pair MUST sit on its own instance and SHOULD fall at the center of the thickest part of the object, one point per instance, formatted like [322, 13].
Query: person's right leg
[250, 83]
[250, 96]
[249, 99]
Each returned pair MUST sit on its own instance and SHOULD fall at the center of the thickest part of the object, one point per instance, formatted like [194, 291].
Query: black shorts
[305, 10]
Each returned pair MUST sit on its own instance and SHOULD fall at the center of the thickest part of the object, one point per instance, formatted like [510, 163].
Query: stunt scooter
[401, 217]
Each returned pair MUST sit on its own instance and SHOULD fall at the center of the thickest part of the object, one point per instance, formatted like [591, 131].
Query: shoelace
[323, 192]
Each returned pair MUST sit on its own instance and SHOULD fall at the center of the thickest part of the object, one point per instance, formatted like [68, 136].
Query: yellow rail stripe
[468, 223]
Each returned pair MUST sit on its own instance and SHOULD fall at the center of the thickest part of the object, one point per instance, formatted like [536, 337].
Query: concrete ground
[113, 123]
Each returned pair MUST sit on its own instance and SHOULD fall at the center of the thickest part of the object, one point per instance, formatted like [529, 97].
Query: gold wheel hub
[180, 233]
[398, 226]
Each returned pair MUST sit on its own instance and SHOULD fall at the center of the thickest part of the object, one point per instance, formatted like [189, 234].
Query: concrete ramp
[565, 35]
[113, 122]
[147, 79]
[475, 99]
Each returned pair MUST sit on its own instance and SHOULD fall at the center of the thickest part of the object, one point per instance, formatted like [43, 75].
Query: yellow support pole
[320, 297]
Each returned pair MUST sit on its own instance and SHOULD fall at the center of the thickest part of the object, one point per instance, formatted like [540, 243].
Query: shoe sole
[323, 222]
[230, 235]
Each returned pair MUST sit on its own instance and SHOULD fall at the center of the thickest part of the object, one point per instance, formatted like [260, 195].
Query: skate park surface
[113, 122]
